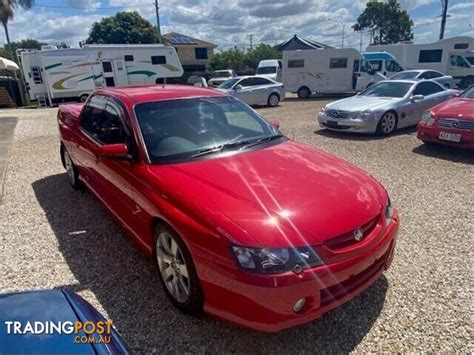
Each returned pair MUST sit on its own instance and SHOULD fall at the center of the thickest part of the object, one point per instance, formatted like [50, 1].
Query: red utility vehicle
[450, 123]
[242, 222]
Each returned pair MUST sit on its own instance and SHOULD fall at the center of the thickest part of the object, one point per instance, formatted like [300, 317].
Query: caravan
[447, 56]
[53, 74]
[326, 71]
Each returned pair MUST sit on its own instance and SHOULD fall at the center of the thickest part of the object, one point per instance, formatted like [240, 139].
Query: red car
[450, 123]
[242, 222]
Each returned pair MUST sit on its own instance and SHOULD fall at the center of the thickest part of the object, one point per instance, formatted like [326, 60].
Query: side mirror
[458, 94]
[276, 124]
[238, 87]
[113, 152]
[417, 98]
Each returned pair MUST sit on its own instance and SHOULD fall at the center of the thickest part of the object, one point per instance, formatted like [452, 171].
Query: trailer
[447, 56]
[52, 74]
[330, 71]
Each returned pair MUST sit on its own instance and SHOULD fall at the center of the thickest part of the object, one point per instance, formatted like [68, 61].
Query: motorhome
[53, 74]
[327, 71]
[270, 68]
[383, 62]
[446, 56]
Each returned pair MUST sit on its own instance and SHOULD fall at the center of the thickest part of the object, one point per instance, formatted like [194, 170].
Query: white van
[326, 71]
[446, 55]
[73, 73]
[270, 68]
[383, 62]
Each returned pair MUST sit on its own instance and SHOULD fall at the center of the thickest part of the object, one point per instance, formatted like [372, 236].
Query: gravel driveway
[52, 236]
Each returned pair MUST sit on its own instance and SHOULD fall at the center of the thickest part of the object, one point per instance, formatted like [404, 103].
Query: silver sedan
[384, 106]
[254, 90]
[425, 74]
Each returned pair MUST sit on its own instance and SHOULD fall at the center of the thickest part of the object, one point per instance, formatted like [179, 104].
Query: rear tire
[83, 97]
[176, 271]
[273, 100]
[387, 124]
[71, 169]
[304, 92]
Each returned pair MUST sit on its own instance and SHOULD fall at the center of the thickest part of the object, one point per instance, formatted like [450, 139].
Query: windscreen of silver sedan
[387, 89]
[186, 129]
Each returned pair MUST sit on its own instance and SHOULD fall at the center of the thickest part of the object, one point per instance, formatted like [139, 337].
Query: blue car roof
[50, 306]
[377, 55]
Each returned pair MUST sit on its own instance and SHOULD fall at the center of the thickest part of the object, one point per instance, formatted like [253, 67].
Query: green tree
[9, 49]
[242, 61]
[7, 12]
[123, 27]
[387, 22]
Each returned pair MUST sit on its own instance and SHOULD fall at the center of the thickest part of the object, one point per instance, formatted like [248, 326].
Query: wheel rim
[304, 93]
[172, 266]
[273, 100]
[388, 123]
[69, 168]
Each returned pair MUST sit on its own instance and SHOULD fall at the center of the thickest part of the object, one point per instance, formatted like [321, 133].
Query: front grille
[348, 239]
[339, 290]
[456, 124]
[337, 113]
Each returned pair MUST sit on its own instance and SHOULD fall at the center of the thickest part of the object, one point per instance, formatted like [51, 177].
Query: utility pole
[444, 14]
[157, 8]
[251, 41]
[343, 29]
[360, 44]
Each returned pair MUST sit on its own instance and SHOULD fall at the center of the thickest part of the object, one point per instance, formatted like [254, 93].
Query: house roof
[178, 39]
[301, 43]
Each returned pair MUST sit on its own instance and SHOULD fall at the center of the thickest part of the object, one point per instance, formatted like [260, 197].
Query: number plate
[451, 137]
[332, 124]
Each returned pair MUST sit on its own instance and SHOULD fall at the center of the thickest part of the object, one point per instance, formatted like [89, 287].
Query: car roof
[402, 81]
[416, 71]
[147, 93]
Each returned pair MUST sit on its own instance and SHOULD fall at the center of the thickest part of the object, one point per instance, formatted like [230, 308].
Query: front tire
[304, 92]
[71, 169]
[387, 124]
[83, 97]
[176, 271]
[273, 100]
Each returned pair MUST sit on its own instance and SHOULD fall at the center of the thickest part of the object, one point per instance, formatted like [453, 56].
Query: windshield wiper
[242, 143]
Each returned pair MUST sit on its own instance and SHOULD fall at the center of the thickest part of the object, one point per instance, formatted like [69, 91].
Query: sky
[229, 23]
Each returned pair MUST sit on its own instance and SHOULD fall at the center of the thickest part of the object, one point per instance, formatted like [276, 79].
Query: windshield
[405, 75]
[179, 130]
[468, 94]
[228, 83]
[266, 70]
[470, 60]
[221, 74]
[387, 89]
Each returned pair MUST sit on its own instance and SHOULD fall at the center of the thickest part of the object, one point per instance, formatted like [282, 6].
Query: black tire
[388, 123]
[304, 92]
[71, 169]
[194, 302]
[273, 100]
[83, 97]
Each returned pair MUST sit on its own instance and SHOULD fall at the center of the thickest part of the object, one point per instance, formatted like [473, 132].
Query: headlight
[271, 261]
[388, 213]
[361, 114]
[428, 118]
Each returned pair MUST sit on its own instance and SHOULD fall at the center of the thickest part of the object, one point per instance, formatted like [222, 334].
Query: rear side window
[158, 59]
[335, 63]
[296, 63]
[427, 89]
[260, 81]
[430, 56]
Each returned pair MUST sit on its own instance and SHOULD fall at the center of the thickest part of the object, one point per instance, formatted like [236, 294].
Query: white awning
[7, 64]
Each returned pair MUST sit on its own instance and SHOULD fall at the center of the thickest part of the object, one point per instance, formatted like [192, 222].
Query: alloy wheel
[388, 123]
[69, 168]
[173, 268]
[273, 100]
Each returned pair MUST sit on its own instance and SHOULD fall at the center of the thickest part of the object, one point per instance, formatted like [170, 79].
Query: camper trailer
[446, 56]
[53, 74]
[326, 71]
[383, 62]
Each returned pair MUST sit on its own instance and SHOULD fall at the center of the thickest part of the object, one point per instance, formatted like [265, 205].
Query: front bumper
[430, 134]
[368, 125]
[265, 302]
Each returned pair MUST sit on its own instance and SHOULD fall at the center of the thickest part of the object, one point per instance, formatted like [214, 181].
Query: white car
[254, 90]
[425, 74]
[219, 76]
